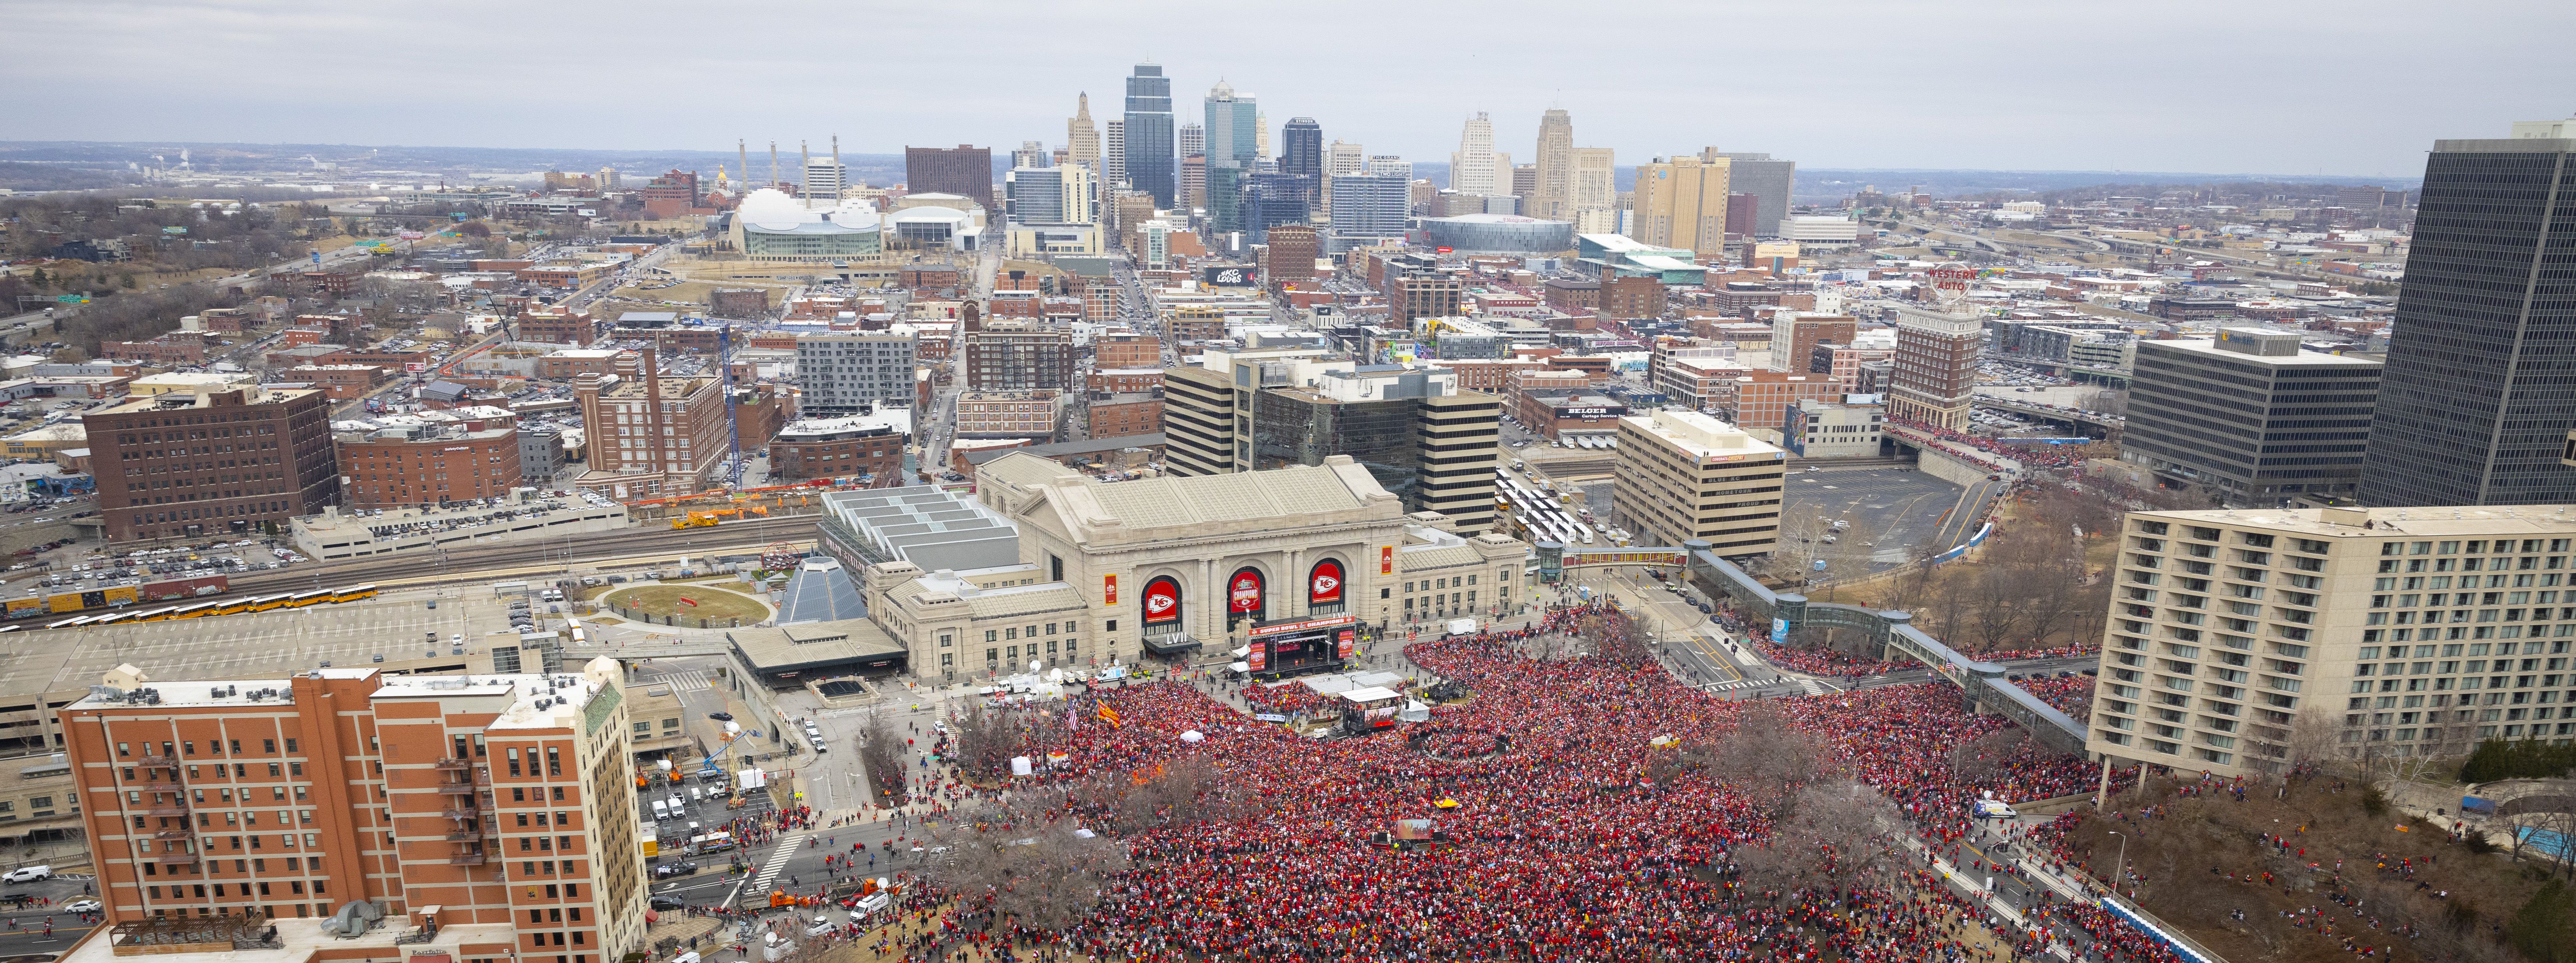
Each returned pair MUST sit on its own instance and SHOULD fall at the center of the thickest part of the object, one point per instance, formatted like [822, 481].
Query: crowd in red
[2073, 696]
[1558, 846]
[2027, 456]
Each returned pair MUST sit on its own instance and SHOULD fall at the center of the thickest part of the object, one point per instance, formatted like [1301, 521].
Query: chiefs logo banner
[1325, 585]
[1162, 600]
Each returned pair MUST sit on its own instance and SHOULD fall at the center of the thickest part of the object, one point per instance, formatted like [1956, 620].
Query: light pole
[2120, 870]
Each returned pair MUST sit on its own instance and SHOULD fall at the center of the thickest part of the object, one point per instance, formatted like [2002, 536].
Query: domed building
[1498, 234]
[772, 226]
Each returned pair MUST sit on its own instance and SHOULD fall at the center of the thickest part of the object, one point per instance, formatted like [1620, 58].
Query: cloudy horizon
[2351, 89]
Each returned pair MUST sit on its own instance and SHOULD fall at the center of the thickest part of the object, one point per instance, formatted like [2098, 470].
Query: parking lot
[1889, 508]
[274, 643]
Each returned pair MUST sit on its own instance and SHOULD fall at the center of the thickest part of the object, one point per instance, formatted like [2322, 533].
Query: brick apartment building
[1761, 399]
[1422, 294]
[1017, 356]
[343, 382]
[846, 447]
[1122, 348]
[183, 465]
[1117, 415]
[1632, 298]
[558, 325]
[1122, 380]
[503, 804]
[416, 462]
[649, 435]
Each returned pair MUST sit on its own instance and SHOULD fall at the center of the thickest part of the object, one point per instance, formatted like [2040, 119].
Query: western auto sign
[1109, 590]
[1324, 584]
[1162, 600]
[1243, 592]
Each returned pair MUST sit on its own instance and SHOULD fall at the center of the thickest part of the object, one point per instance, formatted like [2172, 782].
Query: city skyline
[107, 72]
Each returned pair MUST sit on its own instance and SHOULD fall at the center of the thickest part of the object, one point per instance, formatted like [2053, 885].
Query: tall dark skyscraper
[1301, 148]
[2480, 389]
[1149, 133]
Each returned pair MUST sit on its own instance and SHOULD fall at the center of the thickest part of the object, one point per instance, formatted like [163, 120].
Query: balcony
[174, 834]
[453, 765]
[456, 788]
[464, 836]
[468, 814]
[156, 761]
[169, 858]
[172, 808]
[465, 859]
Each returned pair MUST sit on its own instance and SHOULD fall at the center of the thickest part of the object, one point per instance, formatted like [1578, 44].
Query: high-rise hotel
[2399, 631]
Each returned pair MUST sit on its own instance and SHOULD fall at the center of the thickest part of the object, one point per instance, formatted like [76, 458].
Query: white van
[661, 810]
[696, 794]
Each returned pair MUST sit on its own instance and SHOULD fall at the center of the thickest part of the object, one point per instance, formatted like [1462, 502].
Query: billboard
[1779, 631]
[1324, 582]
[1162, 601]
[1231, 277]
[1243, 592]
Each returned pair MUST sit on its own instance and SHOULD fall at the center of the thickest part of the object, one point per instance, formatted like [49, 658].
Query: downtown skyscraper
[2478, 402]
[1148, 133]
[1471, 169]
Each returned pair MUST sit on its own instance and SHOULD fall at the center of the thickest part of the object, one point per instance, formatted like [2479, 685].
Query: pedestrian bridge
[1983, 682]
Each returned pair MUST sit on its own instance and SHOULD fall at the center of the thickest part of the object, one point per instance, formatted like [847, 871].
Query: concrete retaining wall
[1952, 468]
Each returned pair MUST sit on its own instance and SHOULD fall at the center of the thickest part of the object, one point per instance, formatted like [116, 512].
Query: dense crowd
[1998, 454]
[1559, 845]
[2073, 696]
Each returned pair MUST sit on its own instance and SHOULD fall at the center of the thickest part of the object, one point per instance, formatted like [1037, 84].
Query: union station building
[1045, 566]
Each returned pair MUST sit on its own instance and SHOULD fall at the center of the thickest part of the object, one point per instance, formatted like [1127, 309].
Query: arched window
[1324, 589]
[1244, 597]
[1162, 606]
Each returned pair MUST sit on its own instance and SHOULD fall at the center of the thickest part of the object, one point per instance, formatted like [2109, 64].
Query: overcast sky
[2359, 87]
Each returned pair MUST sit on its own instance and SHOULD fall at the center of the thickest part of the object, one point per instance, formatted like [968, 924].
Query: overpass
[1984, 683]
[2108, 424]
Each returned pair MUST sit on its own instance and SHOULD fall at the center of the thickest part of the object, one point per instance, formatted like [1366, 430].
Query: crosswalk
[1803, 685]
[684, 680]
[777, 861]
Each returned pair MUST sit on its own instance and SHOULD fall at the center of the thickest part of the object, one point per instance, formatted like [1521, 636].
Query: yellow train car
[25, 608]
[94, 598]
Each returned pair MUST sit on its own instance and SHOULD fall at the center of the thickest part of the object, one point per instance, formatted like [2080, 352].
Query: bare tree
[1985, 757]
[1837, 838]
[1768, 758]
[881, 758]
[2315, 737]
[986, 737]
[1041, 871]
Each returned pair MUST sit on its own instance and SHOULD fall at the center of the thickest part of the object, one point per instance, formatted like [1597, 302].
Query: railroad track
[468, 564]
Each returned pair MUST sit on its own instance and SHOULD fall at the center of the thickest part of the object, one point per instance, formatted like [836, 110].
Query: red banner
[1162, 600]
[1324, 584]
[1243, 595]
[1386, 560]
[1346, 637]
[1109, 590]
[1258, 658]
